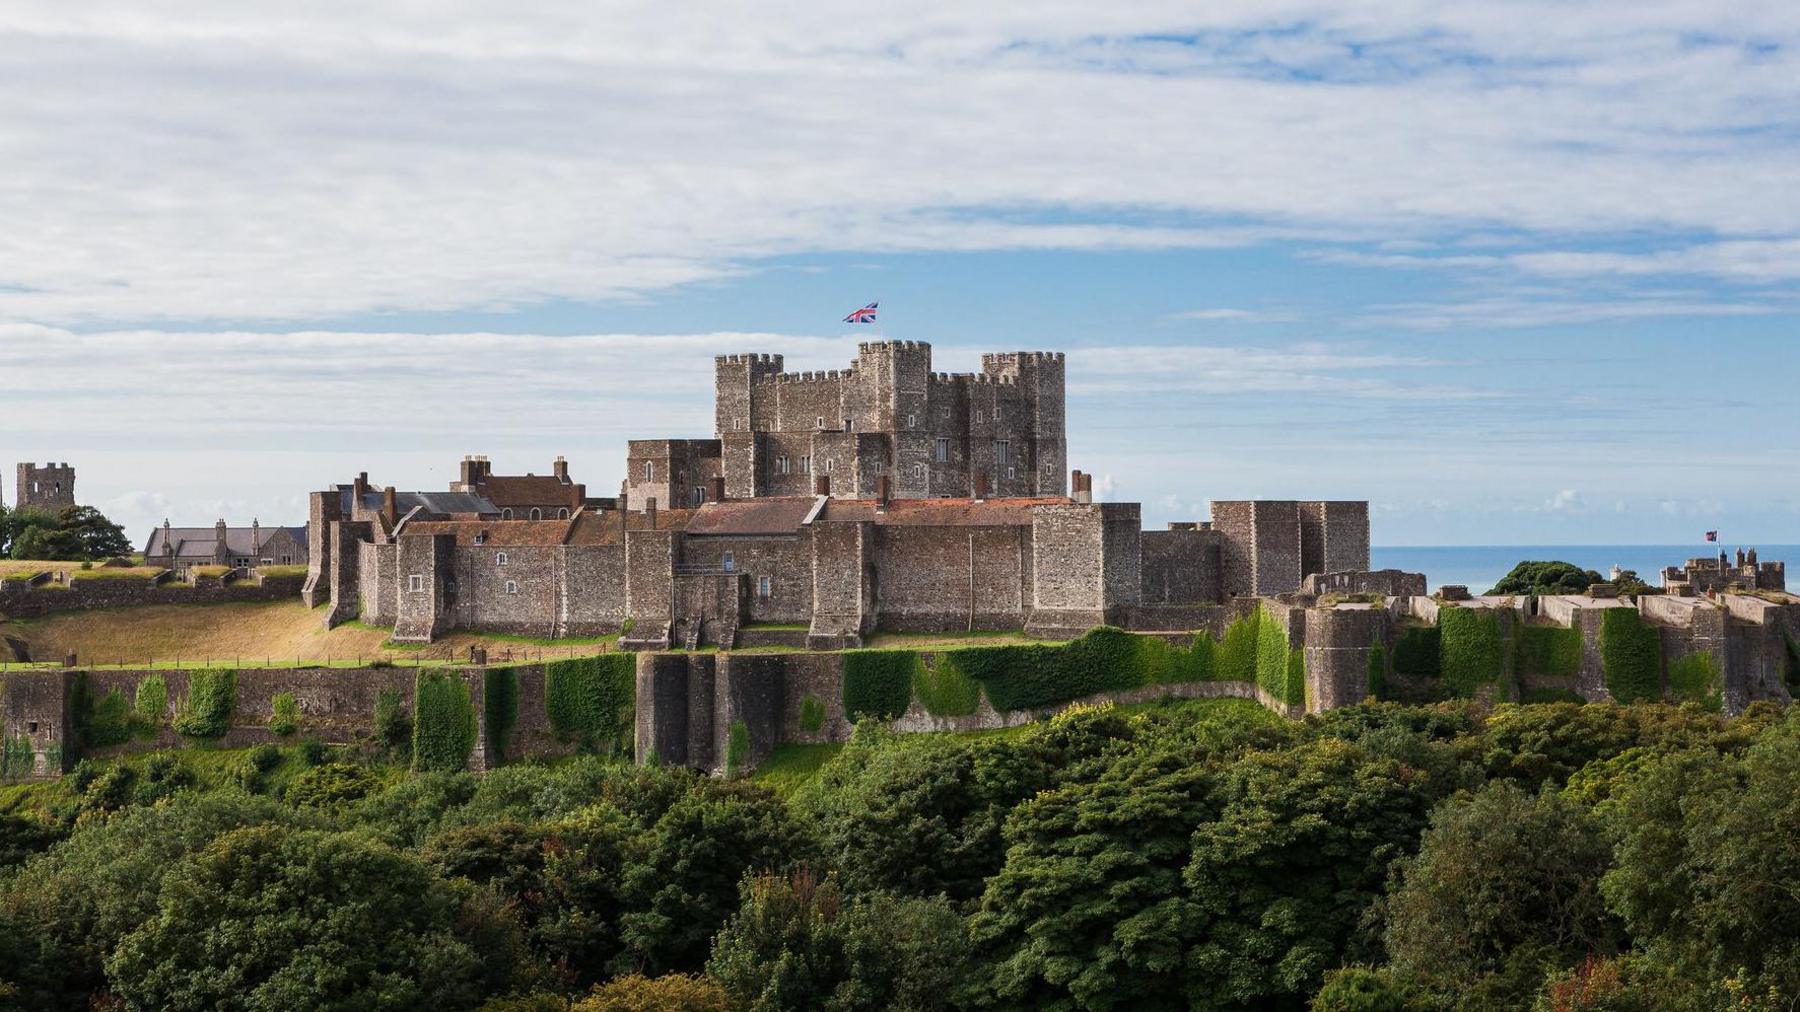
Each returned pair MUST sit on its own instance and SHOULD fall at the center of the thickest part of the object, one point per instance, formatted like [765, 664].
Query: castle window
[506, 514]
[1002, 450]
[649, 470]
[781, 464]
[500, 558]
[699, 495]
[821, 422]
[512, 587]
[849, 425]
[828, 464]
[763, 590]
[481, 537]
[918, 470]
[287, 560]
[1011, 473]
[537, 514]
[562, 514]
[449, 586]
[415, 583]
[728, 562]
[941, 452]
[912, 421]
[738, 424]
[805, 465]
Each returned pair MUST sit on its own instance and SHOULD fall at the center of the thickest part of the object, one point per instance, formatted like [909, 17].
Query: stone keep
[51, 487]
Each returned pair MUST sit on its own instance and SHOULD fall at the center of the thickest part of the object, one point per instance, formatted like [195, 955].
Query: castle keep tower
[998, 432]
[51, 487]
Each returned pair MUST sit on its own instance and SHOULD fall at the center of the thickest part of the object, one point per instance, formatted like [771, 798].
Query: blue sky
[1515, 273]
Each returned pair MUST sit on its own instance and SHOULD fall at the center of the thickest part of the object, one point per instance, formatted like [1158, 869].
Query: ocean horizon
[1479, 567]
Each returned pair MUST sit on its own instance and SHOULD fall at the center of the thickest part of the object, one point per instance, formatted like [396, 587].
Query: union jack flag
[864, 315]
[1712, 535]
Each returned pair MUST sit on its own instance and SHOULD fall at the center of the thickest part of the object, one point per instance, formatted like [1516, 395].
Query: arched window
[506, 514]
[537, 514]
[499, 558]
[512, 587]
[562, 514]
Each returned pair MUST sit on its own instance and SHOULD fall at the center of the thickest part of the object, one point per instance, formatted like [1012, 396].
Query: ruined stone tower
[51, 487]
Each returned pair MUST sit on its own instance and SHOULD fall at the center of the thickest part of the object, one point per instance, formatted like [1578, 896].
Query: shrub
[284, 716]
[1031, 675]
[1418, 653]
[673, 992]
[393, 728]
[878, 683]
[589, 700]
[149, 704]
[1547, 578]
[444, 733]
[1548, 650]
[206, 712]
[500, 706]
[254, 767]
[1630, 655]
[331, 785]
[1473, 651]
[1696, 677]
[18, 760]
[812, 714]
[107, 722]
[1360, 989]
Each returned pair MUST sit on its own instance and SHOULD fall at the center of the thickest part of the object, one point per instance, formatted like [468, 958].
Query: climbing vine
[1697, 677]
[589, 701]
[284, 715]
[500, 706]
[206, 712]
[1473, 652]
[444, 724]
[878, 683]
[1630, 655]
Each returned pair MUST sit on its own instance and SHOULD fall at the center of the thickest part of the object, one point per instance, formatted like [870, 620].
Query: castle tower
[1039, 378]
[51, 487]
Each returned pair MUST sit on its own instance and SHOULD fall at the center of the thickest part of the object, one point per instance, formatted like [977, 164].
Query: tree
[1547, 578]
[673, 992]
[273, 917]
[78, 533]
[1499, 874]
[796, 942]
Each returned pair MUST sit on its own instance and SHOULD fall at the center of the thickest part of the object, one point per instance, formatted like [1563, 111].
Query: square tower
[51, 487]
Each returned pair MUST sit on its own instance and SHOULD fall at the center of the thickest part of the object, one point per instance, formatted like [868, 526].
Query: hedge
[944, 690]
[1160, 662]
[500, 707]
[1418, 653]
[206, 712]
[444, 722]
[1630, 655]
[878, 683]
[590, 701]
[1022, 676]
[1548, 650]
[1472, 650]
[1697, 677]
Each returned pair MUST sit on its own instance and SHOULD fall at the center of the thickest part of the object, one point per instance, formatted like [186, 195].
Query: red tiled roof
[602, 528]
[526, 490]
[769, 515]
[939, 512]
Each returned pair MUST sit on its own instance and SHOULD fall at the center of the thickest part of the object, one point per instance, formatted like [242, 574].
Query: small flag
[864, 315]
[1712, 535]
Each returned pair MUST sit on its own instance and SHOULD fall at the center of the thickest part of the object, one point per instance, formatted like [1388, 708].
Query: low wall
[18, 599]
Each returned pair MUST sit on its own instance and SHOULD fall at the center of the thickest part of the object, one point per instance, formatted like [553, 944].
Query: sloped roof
[742, 517]
[525, 490]
[939, 512]
[195, 542]
[602, 527]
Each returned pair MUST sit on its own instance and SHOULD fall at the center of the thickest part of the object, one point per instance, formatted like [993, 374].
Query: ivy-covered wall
[589, 701]
[1473, 648]
[443, 721]
[1548, 651]
[500, 707]
[206, 712]
[1630, 656]
[879, 683]
[1418, 652]
[1696, 677]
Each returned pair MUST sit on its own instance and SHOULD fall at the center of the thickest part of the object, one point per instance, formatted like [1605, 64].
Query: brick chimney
[390, 506]
[358, 489]
[471, 472]
[168, 542]
[560, 468]
[220, 553]
[718, 489]
[822, 484]
[255, 540]
[577, 496]
[882, 494]
[1081, 487]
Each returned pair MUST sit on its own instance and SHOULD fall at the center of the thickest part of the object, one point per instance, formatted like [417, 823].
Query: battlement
[889, 347]
[50, 487]
[757, 358]
[809, 376]
[950, 378]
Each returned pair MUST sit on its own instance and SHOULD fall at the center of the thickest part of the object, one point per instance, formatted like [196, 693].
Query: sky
[1517, 273]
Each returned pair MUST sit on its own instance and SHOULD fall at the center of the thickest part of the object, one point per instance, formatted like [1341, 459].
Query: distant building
[178, 548]
[51, 487]
[523, 496]
[1709, 575]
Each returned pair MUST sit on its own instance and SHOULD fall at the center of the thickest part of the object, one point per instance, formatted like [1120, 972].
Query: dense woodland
[1177, 855]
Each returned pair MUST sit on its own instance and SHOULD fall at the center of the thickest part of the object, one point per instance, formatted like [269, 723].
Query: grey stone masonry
[50, 487]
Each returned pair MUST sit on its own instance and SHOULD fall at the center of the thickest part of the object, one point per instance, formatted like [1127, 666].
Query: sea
[1479, 567]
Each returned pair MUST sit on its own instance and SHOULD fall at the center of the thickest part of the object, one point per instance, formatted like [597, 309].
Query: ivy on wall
[1236, 655]
[1022, 676]
[206, 712]
[944, 689]
[1630, 655]
[1472, 649]
[16, 759]
[1418, 653]
[444, 722]
[1161, 662]
[812, 715]
[102, 722]
[284, 715]
[878, 683]
[500, 706]
[1548, 650]
[149, 705]
[1697, 677]
[1280, 671]
[591, 701]
[737, 747]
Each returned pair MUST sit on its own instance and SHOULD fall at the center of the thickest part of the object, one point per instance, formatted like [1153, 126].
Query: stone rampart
[20, 599]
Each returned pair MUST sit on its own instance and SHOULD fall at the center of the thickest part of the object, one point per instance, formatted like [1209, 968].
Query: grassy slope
[285, 631]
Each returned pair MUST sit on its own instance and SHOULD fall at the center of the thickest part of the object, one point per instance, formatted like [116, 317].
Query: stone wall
[18, 599]
[1387, 582]
[1180, 567]
[950, 578]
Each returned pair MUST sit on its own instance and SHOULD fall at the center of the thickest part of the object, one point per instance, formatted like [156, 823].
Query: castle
[882, 496]
[51, 487]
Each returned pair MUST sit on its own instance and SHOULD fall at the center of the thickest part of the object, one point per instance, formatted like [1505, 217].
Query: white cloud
[1236, 315]
[1566, 500]
[206, 160]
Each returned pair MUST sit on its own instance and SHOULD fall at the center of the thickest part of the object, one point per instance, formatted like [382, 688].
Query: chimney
[718, 489]
[881, 493]
[578, 495]
[822, 484]
[1081, 487]
[358, 489]
[650, 513]
[168, 541]
[220, 553]
[390, 506]
[560, 468]
[471, 472]
[255, 537]
[981, 487]
[1075, 485]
